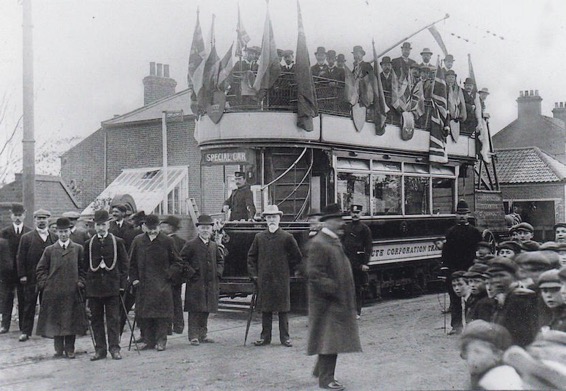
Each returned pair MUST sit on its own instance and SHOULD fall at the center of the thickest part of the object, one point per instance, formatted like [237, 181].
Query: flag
[439, 117]
[380, 108]
[243, 37]
[210, 73]
[196, 60]
[307, 106]
[472, 75]
[351, 87]
[225, 69]
[438, 38]
[483, 138]
[400, 93]
[269, 67]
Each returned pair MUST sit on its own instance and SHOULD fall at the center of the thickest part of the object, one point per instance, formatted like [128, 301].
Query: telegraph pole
[28, 143]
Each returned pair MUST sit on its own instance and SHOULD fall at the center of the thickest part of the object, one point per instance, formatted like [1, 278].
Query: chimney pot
[159, 70]
[521, 94]
[536, 92]
[152, 69]
[165, 70]
[555, 104]
[561, 104]
[532, 93]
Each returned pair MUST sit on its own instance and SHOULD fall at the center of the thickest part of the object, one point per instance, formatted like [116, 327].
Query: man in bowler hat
[401, 65]
[320, 69]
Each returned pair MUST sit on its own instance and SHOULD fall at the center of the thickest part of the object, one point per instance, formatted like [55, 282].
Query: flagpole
[412, 35]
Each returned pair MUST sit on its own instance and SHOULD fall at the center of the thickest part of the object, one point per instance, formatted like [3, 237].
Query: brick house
[132, 144]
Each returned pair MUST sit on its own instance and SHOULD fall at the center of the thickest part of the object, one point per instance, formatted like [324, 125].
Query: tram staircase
[291, 170]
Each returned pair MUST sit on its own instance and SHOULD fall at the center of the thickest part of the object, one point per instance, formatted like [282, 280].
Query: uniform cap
[549, 279]
[271, 210]
[320, 50]
[17, 208]
[63, 223]
[42, 213]
[151, 221]
[477, 270]
[173, 221]
[356, 208]
[426, 51]
[498, 264]
[239, 174]
[204, 220]
[524, 227]
[488, 332]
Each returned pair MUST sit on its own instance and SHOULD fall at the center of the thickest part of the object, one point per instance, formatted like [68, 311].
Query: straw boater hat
[271, 210]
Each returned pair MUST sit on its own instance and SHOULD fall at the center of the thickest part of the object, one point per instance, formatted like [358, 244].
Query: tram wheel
[489, 237]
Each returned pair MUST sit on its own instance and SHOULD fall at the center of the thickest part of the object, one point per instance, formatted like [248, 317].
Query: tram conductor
[358, 245]
[241, 201]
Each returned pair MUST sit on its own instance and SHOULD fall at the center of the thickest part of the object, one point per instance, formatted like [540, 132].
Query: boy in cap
[461, 290]
[483, 252]
[205, 264]
[60, 274]
[549, 285]
[525, 232]
[482, 346]
[478, 305]
[241, 201]
[508, 249]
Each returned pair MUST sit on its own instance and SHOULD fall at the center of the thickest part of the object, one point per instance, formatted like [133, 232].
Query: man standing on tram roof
[361, 67]
[334, 72]
[426, 55]
[448, 63]
[401, 65]
[358, 245]
[340, 61]
[320, 69]
[241, 201]
[289, 62]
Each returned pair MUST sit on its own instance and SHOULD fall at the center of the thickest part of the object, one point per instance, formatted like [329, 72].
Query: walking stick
[129, 325]
[253, 304]
[83, 306]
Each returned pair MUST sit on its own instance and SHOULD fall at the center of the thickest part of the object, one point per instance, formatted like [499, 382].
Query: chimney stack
[529, 104]
[559, 111]
[158, 84]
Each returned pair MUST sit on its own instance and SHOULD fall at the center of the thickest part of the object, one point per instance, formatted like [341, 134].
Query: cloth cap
[72, 215]
[151, 221]
[173, 221]
[498, 264]
[549, 279]
[511, 245]
[341, 58]
[101, 216]
[524, 227]
[477, 270]
[356, 208]
[385, 60]
[562, 274]
[462, 207]
[450, 72]
[488, 332]
[63, 223]
[287, 53]
[406, 45]
[484, 245]
[449, 57]
[204, 220]
[469, 80]
[534, 258]
[121, 207]
[557, 225]
[426, 51]
[529, 245]
[549, 246]
[320, 50]
[331, 53]
[271, 210]
[457, 274]
[17, 208]
[42, 213]
[358, 48]
[331, 211]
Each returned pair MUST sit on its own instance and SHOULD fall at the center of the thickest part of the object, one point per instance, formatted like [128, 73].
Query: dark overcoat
[152, 263]
[333, 327]
[105, 282]
[9, 233]
[205, 265]
[30, 251]
[459, 251]
[6, 264]
[271, 258]
[80, 236]
[127, 232]
[58, 273]
[358, 245]
[241, 203]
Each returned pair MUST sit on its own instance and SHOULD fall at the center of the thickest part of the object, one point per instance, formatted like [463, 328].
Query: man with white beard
[272, 256]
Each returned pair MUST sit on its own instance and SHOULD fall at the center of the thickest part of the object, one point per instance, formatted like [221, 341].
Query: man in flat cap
[320, 69]
[106, 263]
[458, 253]
[9, 280]
[32, 245]
[401, 65]
[358, 245]
[154, 266]
[241, 201]
[271, 258]
[78, 235]
[60, 275]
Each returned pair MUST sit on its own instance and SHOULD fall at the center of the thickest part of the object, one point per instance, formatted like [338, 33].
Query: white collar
[20, 226]
[66, 244]
[42, 231]
[329, 233]
[204, 241]
[103, 237]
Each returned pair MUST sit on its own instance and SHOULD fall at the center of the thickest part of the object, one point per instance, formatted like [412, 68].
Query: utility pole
[28, 143]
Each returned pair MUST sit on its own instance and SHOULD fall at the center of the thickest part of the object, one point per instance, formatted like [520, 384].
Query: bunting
[196, 60]
[269, 66]
[439, 127]
[380, 108]
[307, 106]
[243, 37]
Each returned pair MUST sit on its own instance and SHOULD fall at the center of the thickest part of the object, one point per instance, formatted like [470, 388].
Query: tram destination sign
[227, 157]
[404, 251]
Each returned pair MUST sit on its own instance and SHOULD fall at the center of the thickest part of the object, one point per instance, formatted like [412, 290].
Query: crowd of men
[509, 306]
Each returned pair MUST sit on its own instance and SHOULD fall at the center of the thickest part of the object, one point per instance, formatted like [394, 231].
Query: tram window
[353, 189]
[353, 164]
[435, 170]
[416, 195]
[386, 166]
[386, 194]
[442, 195]
[416, 168]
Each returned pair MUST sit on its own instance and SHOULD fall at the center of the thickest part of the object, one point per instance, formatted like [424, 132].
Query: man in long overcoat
[272, 256]
[241, 201]
[30, 250]
[332, 306]
[205, 263]
[154, 262]
[106, 263]
[60, 275]
[9, 276]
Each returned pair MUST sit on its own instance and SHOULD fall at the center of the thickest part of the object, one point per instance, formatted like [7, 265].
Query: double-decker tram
[408, 202]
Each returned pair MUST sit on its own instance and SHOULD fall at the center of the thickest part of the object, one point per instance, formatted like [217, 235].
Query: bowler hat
[498, 264]
[462, 207]
[406, 45]
[449, 57]
[139, 217]
[101, 216]
[320, 50]
[271, 210]
[469, 80]
[341, 58]
[121, 207]
[358, 48]
[17, 208]
[72, 215]
[426, 51]
[331, 211]
[331, 54]
[493, 333]
[524, 227]
[42, 213]
[151, 221]
[549, 279]
[204, 220]
[386, 60]
[173, 221]
[63, 223]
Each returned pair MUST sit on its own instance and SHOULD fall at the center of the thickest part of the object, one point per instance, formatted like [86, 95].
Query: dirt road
[404, 348]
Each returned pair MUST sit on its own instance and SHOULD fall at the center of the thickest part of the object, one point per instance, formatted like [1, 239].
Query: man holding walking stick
[106, 262]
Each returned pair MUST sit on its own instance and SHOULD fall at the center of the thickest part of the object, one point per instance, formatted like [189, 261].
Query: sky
[90, 56]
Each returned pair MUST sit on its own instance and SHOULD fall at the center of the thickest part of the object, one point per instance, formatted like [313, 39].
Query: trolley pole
[28, 142]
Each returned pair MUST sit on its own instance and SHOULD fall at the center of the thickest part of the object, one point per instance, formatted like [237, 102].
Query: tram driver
[241, 201]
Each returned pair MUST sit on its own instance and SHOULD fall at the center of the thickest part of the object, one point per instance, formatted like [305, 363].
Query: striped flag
[351, 87]
[210, 73]
[243, 37]
[225, 69]
[380, 108]
[307, 106]
[400, 93]
[439, 127]
[269, 67]
[196, 59]
[438, 38]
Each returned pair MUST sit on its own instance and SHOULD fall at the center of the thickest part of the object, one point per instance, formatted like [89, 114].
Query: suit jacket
[336, 73]
[319, 70]
[241, 203]
[471, 121]
[6, 264]
[126, 232]
[402, 67]
[29, 253]
[9, 233]
[362, 69]
[103, 282]
[80, 236]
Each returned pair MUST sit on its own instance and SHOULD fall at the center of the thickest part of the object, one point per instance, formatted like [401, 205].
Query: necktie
[64, 247]
[18, 231]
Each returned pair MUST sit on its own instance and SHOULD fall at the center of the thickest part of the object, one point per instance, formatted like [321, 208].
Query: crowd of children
[514, 312]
